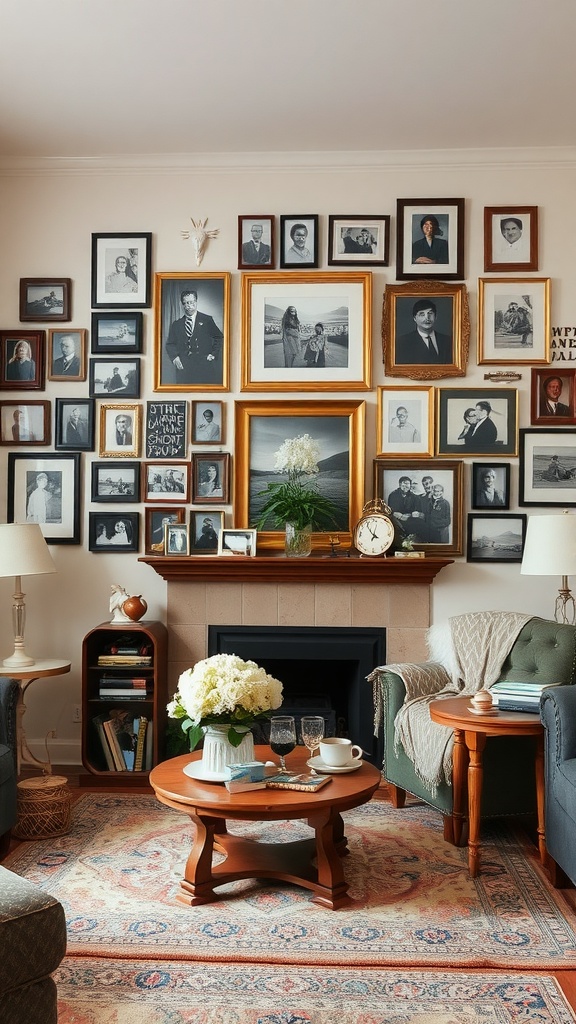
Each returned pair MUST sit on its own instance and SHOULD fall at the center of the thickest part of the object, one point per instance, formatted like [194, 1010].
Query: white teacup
[336, 752]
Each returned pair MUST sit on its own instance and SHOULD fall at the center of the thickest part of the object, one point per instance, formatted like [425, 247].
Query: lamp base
[18, 660]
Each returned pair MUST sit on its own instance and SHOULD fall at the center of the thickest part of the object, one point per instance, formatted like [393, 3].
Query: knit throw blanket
[481, 641]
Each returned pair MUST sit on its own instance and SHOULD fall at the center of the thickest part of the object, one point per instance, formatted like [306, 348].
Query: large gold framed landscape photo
[338, 428]
[306, 331]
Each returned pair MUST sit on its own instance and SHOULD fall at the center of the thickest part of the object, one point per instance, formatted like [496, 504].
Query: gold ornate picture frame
[442, 310]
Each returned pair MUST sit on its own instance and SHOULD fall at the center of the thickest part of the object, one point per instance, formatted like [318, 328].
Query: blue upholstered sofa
[8, 700]
[558, 713]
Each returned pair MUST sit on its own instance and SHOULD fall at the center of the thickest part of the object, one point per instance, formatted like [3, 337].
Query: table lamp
[23, 552]
[550, 550]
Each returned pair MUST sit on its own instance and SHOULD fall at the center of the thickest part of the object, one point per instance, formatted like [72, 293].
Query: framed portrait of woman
[22, 360]
[430, 239]
[210, 478]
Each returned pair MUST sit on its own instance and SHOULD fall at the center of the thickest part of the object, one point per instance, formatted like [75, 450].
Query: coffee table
[314, 863]
[470, 732]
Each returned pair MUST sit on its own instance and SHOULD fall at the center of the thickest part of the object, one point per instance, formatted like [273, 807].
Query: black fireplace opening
[323, 672]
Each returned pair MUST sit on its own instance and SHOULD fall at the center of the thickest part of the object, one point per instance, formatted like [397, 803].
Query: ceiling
[102, 78]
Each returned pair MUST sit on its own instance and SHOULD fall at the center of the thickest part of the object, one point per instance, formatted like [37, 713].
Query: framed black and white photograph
[510, 238]
[22, 360]
[430, 239]
[256, 243]
[298, 241]
[405, 424]
[120, 428]
[237, 542]
[477, 421]
[176, 539]
[192, 330]
[45, 489]
[547, 467]
[208, 422]
[117, 482]
[166, 481]
[553, 396]
[514, 320]
[496, 538]
[425, 330]
[490, 485]
[337, 430]
[307, 332]
[45, 298]
[210, 478]
[115, 333]
[23, 423]
[74, 430]
[205, 529]
[166, 430]
[118, 378]
[358, 241]
[121, 270]
[113, 531]
[426, 501]
[155, 520]
[66, 354]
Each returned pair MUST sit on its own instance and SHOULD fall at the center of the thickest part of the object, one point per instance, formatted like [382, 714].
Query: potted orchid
[296, 503]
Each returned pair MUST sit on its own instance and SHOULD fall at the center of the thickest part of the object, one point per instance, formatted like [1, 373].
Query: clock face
[374, 535]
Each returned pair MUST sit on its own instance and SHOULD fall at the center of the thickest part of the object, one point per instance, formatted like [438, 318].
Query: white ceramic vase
[218, 752]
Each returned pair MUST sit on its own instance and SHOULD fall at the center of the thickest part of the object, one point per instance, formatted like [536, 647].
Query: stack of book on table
[126, 740]
[511, 696]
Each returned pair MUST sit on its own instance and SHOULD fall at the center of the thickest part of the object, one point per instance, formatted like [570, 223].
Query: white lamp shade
[23, 550]
[550, 546]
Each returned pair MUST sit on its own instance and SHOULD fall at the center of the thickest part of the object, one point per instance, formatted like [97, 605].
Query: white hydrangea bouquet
[296, 500]
[224, 690]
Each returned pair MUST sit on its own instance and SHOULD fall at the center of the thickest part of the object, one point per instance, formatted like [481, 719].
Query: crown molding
[321, 162]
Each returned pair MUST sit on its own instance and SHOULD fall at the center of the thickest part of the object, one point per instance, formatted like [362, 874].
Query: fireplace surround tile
[259, 604]
[296, 605]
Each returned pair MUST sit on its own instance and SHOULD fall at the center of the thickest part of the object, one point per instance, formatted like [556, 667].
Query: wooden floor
[74, 773]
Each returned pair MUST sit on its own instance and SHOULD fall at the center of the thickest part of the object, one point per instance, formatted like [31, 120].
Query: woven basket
[44, 808]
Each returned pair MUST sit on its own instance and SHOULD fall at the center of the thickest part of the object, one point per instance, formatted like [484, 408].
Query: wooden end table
[313, 863]
[470, 733]
[39, 670]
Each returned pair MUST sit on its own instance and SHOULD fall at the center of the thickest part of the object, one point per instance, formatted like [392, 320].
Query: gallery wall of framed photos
[119, 276]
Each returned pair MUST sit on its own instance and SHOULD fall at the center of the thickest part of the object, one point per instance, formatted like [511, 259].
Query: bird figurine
[199, 237]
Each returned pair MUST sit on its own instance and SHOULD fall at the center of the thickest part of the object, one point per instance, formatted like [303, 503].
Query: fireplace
[323, 671]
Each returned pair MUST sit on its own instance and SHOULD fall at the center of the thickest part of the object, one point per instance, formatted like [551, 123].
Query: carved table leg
[475, 741]
[331, 888]
[198, 883]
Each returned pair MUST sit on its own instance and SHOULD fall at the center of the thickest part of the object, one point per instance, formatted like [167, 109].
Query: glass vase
[218, 752]
[298, 542]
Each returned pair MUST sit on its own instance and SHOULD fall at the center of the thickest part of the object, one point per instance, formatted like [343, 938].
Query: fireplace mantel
[279, 569]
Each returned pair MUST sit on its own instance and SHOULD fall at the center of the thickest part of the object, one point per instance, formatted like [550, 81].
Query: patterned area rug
[414, 903]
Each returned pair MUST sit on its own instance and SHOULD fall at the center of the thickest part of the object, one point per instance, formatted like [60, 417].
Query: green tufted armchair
[544, 651]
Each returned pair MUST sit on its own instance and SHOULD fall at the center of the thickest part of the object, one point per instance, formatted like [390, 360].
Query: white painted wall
[46, 220]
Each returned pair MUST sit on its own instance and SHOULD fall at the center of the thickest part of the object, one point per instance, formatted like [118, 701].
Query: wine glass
[282, 736]
[312, 730]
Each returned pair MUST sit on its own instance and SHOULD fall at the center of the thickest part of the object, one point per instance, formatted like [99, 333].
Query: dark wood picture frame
[72, 367]
[116, 378]
[305, 226]
[16, 374]
[547, 468]
[45, 298]
[103, 532]
[74, 433]
[155, 519]
[61, 524]
[491, 537]
[121, 270]
[444, 258]
[518, 251]
[208, 489]
[256, 242]
[424, 527]
[205, 529]
[499, 495]
[498, 434]
[166, 481]
[358, 241]
[562, 395]
[115, 333]
[24, 423]
[116, 482]
[405, 352]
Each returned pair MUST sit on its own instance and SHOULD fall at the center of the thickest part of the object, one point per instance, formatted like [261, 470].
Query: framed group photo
[192, 331]
[405, 424]
[121, 270]
[166, 430]
[510, 238]
[115, 333]
[45, 298]
[256, 242]
[426, 501]
[23, 423]
[168, 481]
[547, 467]
[208, 422]
[205, 529]
[119, 377]
[358, 241]
[22, 360]
[45, 489]
[430, 239]
[210, 478]
[117, 482]
[552, 396]
[299, 241]
[66, 354]
[425, 330]
[490, 485]
[337, 427]
[113, 531]
[74, 430]
[306, 332]
[477, 421]
[155, 521]
[120, 427]
[514, 320]
[496, 538]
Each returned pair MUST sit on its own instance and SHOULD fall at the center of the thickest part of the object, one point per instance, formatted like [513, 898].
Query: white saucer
[196, 770]
[325, 769]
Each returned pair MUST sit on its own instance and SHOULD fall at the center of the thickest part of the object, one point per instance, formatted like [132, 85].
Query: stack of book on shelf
[123, 688]
[511, 696]
[126, 654]
[126, 740]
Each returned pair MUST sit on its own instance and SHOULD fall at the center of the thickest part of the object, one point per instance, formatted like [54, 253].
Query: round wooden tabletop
[456, 713]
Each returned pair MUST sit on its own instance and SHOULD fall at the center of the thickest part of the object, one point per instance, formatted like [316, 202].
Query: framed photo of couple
[477, 421]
